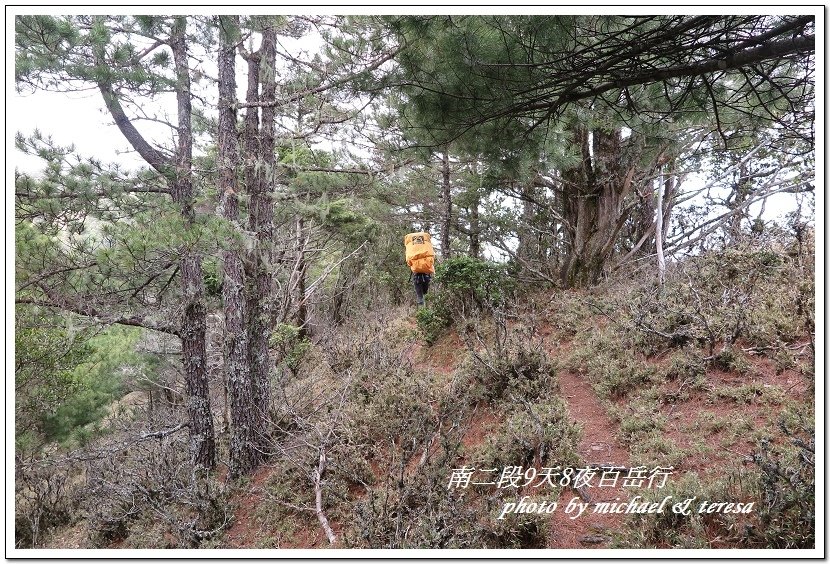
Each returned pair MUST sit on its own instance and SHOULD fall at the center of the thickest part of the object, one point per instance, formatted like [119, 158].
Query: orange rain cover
[420, 256]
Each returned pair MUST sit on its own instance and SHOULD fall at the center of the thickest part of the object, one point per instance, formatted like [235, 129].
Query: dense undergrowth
[366, 431]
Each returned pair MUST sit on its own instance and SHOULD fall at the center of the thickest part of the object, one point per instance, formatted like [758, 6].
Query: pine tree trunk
[475, 228]
[446, 194]
[193, 331]
[740, 192]
[593, 205]
[243, 453]
[525, 248]
[302, 267]
[177, 170]
[658, 237]
[260, 176]
[194, 323]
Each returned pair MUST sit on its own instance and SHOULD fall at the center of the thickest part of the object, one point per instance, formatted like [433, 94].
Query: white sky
[76, 118]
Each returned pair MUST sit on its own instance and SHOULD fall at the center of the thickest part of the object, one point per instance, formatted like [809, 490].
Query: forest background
[237, 301]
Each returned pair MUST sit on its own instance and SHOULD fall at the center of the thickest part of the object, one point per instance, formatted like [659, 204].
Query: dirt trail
[598, 447]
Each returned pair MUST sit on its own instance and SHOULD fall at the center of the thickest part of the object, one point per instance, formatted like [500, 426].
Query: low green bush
[290, 347]
[540, 432]
[462, 287]
[430, 323]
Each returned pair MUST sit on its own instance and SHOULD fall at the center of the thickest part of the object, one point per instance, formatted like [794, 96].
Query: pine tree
[104, 52]
[555, 73]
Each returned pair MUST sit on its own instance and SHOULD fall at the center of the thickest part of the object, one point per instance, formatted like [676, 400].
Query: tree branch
[152, 156]
[772, 50]
[86, 309]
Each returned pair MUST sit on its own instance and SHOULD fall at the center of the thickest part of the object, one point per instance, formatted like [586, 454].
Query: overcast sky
[69, 118]
[79, 118]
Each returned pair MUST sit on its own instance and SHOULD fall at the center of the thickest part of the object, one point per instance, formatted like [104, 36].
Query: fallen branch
[163, 433]
[318, 495]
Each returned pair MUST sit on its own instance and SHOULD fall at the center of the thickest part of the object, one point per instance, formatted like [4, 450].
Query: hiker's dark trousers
[421, 282]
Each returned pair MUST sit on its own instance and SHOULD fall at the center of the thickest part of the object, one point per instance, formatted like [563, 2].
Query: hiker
[420, 257]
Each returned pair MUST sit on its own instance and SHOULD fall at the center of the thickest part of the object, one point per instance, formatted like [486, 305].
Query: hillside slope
[446, 428]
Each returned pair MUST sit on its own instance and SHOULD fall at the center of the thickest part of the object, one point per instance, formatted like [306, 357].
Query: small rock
[592, 539]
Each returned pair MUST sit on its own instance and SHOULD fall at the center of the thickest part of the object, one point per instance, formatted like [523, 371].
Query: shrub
[787, 483]
[676, 530]
[540, 432]
[44, 499]
[717, 298]
[463, 287]
[417, 510]
[731, 360]
[782, 489]
[149, 496]
[517, 372]
[475, 281]
[430, 323]
[611, 369]
[211, 274]
[687, 366]
[290, 347]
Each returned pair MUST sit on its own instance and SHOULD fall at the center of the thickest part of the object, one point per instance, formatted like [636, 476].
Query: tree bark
[260, 175]
[740, 192]
[475, 227]
[658, 237]
[302, 269]
[593, 206]
[446, 194]
[202, 442]
[194, 324]
[525, 248]
[473, 211]
[178, 172]
[243, 454]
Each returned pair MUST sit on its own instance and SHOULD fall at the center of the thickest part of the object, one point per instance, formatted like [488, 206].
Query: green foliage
[430, 323]
[474, 281]
[639, 420]
[519, 372]
[610, 367]
[750, 393]
[618, 379]
[101, 379]
[212, 278]
[717, 298]
[782, 489]
[687, 365]
[731, 360]
[676, 530]
[462, 286]
[541, 433]
[65, 377]
[290, 346]
[46, 356]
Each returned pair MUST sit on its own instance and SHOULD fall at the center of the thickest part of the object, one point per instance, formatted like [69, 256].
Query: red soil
[599, 446]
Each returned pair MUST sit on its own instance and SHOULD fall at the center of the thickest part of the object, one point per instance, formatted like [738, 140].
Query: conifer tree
[560, 73]
[123, 57]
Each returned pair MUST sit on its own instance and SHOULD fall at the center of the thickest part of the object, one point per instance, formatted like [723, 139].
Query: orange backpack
[420, 256]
